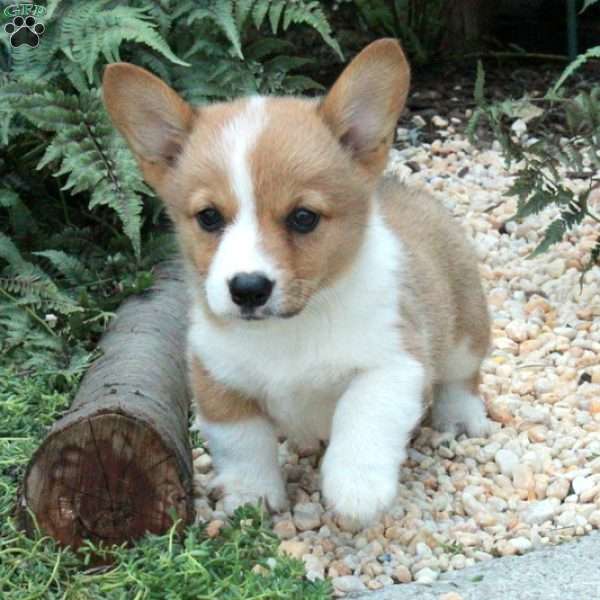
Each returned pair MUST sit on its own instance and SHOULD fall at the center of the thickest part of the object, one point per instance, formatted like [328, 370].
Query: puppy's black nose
[250, 290]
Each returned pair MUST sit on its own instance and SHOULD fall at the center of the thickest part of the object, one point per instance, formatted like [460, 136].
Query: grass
[168, 566]
[453, 548]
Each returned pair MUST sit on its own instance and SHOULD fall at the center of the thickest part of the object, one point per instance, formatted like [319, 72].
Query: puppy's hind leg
[458, 409]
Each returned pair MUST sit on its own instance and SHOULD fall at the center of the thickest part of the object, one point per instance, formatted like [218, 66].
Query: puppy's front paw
[358, 492]
[239, 489]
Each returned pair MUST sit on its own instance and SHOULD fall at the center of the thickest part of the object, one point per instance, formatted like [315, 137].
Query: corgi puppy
[327, 302]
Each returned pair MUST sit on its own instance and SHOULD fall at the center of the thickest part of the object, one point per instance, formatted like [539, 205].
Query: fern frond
[259, 13]
[282, 14]
[267, 46]
[554, 233]
[12, 92]
[41, 63]
[233, 16]
[20, 217]
[572, 67]
[37, 293]
[30, 284]
[311, 13]
[10, 253]
[90, 29]
[73, 270]
[243, 8]
[17, 328]
[275, 12]
[587, 4]
[90, 153]
[220, 13]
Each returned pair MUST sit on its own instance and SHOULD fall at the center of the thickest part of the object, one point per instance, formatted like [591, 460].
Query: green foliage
[545, 161]
[167, 566]
[59, 288]
[234, 17]
[574, 66]
[587, 4]
[418, 23]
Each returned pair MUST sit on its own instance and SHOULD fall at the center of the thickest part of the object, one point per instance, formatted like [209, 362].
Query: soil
[447, 90]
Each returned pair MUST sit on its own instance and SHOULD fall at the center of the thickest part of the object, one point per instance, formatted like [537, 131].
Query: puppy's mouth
[251, 316]
[266, 314]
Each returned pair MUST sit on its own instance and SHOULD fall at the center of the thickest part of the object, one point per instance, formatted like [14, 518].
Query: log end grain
[108, 478]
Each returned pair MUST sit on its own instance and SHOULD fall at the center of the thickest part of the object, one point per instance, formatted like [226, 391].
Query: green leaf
[10, 253]
[260, 12]
[71, 267]
[587, 4]
[89, 30]
[538, 201]
[275, 11]
[224, 18]
[21, 219]
[554, 233]
[572, 67]
[267, 46]
[88, 151]
[242, 10]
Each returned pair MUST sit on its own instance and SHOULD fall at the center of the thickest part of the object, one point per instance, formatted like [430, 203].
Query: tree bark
[466, 23]
[118, 464]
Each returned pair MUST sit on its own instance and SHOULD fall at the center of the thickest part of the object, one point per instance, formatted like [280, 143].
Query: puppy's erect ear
[154, 120]
[364, 104]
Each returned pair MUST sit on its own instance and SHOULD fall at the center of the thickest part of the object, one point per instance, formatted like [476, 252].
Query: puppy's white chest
[300, 367]
[297, 375]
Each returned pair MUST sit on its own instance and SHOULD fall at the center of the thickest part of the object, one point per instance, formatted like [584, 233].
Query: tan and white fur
[374, 315]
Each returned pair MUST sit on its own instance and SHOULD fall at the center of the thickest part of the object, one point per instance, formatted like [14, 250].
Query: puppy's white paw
[239, 489]
[360, 492]
[458, 411]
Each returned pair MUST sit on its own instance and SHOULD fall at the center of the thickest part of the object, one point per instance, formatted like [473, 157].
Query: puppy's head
[270, 196]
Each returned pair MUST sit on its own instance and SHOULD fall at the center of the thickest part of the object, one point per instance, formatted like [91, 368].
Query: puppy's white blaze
[240, 247]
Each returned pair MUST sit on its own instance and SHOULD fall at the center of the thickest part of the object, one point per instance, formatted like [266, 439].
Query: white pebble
[537, 512]
[307, 515]
[426, 576]
[348, 583]
[506, 461]
[521, 544]
[439, 122]
[581, 484]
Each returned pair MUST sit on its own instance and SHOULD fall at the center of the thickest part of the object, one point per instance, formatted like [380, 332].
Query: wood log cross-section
[118, 464]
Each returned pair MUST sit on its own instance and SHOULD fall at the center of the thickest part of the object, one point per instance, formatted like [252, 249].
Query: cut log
[118, 464]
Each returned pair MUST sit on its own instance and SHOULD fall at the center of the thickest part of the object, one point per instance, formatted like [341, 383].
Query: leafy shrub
[418, 23]
[544, 162]
[80, 226]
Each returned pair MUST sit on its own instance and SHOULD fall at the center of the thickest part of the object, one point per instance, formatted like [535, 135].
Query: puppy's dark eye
[210, 219]
[302, 220]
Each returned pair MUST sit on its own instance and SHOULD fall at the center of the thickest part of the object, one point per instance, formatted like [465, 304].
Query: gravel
[536, 479]
[566, 572]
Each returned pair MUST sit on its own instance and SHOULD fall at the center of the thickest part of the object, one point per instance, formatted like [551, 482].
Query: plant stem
[29, 312]
[64, 207]
[517, 55]
[592, 216]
